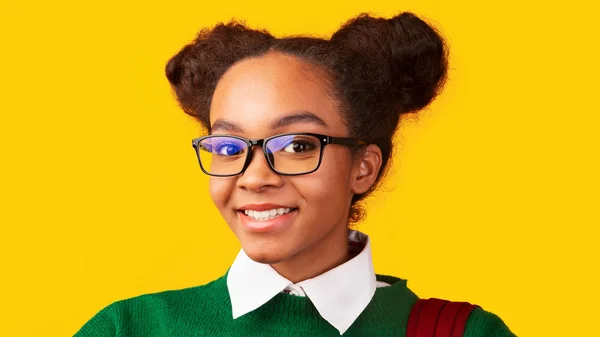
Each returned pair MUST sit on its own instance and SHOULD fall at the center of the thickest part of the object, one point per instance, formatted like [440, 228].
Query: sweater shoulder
[158, 308]
[482, 323]
[174, 297]
[172, 300]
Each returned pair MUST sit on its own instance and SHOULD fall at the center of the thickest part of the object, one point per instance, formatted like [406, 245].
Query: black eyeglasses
[287, 154]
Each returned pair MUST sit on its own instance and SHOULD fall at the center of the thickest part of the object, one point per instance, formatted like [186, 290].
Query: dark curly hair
[376, 68]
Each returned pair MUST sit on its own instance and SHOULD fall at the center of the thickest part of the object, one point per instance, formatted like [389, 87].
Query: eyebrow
[295, 118]
[221, 124]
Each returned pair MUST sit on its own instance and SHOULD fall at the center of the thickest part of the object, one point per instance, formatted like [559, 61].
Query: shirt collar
[340, 295]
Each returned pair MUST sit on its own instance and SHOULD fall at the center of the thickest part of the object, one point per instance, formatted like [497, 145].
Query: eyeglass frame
[324, 139]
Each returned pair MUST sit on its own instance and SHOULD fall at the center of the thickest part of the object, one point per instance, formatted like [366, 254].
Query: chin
[264, 255]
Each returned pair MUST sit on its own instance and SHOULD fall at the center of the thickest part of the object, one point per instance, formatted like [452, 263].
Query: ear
[366, 169]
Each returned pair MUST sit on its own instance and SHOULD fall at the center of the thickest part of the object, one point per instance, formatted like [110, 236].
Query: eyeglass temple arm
[346, 141]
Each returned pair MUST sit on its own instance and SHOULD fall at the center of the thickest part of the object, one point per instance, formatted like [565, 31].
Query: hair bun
[195, 70]
[409, 57]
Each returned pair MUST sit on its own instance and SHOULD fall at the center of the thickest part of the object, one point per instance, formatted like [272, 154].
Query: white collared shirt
[340, 295]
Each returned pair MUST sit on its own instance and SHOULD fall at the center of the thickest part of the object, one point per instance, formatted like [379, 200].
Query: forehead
[255, 93]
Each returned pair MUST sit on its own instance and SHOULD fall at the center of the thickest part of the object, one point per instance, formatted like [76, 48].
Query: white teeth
[266, 215]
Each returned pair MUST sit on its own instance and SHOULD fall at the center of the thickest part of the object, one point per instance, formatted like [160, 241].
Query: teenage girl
[299, 132]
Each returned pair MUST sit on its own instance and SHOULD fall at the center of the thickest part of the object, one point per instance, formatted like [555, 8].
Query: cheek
[220, 191]
[328, 189]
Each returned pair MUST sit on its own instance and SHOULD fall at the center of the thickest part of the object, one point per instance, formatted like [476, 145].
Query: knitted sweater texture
[206, 311]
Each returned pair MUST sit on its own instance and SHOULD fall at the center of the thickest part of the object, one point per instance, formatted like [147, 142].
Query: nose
[258, 175]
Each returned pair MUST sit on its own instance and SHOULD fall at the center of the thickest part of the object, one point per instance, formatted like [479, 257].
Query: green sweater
[206, 311]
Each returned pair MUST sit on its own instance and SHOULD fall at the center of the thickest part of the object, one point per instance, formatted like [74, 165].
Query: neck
[326, 254]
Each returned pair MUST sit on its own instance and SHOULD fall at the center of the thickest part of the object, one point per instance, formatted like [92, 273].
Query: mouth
[268, 214]
[266, 217]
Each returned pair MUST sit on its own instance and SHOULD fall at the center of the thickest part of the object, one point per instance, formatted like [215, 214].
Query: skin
[257, 98]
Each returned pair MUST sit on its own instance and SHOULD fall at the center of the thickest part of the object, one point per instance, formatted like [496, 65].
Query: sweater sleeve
[100, 325]
[482, 323]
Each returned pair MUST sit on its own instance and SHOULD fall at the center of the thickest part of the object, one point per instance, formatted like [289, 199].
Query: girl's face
[270, 95]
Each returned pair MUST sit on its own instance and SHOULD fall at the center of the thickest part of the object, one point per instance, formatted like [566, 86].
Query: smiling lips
[266, 217]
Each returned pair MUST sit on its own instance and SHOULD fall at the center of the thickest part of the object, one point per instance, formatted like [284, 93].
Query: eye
[298, 146]
[228, 149]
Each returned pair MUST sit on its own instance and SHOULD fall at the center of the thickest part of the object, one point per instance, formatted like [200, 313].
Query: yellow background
[493, 197]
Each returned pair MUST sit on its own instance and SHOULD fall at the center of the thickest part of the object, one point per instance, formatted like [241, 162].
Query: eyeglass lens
[287, 154]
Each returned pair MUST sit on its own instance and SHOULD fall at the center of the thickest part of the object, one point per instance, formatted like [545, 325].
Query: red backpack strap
[438, 318]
